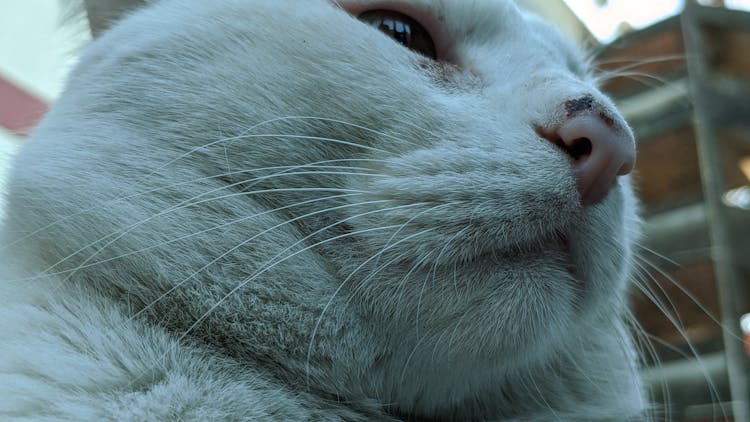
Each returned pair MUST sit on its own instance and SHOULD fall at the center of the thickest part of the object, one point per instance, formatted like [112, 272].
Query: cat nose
[601, 147]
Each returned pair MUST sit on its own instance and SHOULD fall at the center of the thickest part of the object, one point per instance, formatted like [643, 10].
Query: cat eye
[403, 29]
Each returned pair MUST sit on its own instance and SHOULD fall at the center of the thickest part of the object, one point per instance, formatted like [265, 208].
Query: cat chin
[473, 314]
[451, 373]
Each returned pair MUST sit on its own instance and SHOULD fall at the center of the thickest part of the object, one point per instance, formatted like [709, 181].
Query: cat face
[492, 248]
[464, 211]
[411, 168]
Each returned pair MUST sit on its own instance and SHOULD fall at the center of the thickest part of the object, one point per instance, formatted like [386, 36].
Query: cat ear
[103, 13]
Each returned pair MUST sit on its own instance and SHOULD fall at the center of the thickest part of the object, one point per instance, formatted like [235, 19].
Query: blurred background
[680, 73]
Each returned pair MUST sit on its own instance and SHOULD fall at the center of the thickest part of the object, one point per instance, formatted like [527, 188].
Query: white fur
[169, 253]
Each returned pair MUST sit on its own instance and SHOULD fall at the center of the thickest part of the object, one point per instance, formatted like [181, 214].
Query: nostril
[579, 148]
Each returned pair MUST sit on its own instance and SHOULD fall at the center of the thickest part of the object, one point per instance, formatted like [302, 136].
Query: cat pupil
[398, 30]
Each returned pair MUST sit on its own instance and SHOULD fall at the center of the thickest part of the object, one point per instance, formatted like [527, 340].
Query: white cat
[314, 210]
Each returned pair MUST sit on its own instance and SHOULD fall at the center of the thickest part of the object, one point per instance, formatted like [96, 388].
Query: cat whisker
[689, 295]
[433, 272]
[367, 129]
[248, 131]
[414, 217]
[304, 173]
[630, 63]
[402, 282]
[663, 257]
[647, 79]
[438, 342]
[312, 138]
[638, 265]
[646, 349]
[412, 124]
[541, 396]
[414, 349]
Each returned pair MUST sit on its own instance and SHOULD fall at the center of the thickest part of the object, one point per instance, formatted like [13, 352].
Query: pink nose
[601, 149]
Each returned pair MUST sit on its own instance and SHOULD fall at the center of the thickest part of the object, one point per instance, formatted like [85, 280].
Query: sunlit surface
[738, 198]
[608, 20]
